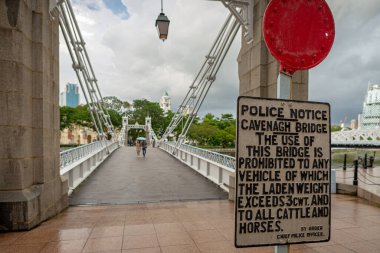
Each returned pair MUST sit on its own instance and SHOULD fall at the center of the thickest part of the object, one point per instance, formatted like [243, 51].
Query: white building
[370, 118]
[354, 124]
[165, 102]
[189, 110]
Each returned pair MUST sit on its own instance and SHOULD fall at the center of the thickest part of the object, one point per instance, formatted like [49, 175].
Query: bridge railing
[356, 138]
[78, 163]
[218, 168]
[214, 166]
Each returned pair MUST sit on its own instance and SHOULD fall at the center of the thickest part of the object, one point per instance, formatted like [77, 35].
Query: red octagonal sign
[298, 33]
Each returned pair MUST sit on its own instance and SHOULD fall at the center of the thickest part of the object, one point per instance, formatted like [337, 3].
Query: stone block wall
[31, 189]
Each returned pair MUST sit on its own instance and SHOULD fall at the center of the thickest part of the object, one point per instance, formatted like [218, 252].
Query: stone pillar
[126, 137]
[31, 189]
[258, 71]
[125, 125]
[148, 122]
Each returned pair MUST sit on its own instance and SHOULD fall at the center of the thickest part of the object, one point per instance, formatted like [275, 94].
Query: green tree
[116, 118]
[144, 108]
[66, 117]
[75, 116]
[203, 133]
[226, 120]
[213, 131]
[82, 116]
[222, 138]
[115, 104]
[335, 128]
[210, 119]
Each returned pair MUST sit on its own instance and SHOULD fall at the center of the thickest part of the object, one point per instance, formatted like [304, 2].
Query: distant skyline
[70, 95]
[131, 63]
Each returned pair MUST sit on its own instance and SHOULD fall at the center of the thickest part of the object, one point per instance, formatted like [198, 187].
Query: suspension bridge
[241, 16]
[38, 182]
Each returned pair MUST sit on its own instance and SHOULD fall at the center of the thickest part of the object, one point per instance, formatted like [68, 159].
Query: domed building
[165, 102]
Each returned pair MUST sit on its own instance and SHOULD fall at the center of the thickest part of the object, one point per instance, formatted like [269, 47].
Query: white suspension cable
[204, 79]
[82, 67]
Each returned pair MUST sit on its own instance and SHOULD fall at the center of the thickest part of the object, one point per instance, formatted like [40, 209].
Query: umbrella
[141, 138]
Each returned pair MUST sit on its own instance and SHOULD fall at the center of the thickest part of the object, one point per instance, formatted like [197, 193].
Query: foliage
[66, 117]
[210, 131]
[216, 132]
[75, 116]
[134, 133]
[115, 104]
[144, 108]
[116, 118]
[335, 128]
[81, 116]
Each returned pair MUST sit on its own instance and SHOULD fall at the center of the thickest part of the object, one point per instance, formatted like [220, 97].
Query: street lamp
[162, 24]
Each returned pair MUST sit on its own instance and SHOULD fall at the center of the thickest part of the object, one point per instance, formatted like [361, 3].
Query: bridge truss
[241, 15]
[147, 128]
[63, 11]
[356, 138]
[198, 90]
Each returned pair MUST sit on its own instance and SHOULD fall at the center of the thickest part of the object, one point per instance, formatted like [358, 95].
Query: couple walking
[141, 145]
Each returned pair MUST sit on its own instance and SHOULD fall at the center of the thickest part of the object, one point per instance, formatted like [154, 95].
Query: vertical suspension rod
[93, 80]
[199, 80]
[75, 45]
[225, 46]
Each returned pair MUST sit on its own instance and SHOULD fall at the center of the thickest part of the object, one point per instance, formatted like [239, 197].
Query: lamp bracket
[243, 12]
[53, 8]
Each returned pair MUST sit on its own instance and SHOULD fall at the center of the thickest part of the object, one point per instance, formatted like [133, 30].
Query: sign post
[284, 87]
[282, 172]
[283, 146]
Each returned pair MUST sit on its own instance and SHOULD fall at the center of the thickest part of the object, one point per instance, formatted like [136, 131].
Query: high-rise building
[165, 102]
[354, 124]
[70, 96]
[370, 118]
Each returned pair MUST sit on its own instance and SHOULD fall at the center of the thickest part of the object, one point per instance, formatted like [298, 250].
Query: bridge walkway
[368, 182]
[125, 178]
[173, 227]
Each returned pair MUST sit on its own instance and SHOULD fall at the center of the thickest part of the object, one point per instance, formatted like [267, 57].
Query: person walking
[138, 147]
[144, 146]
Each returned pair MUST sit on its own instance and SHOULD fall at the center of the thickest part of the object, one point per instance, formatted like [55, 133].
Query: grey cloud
[343, 77]
[132, 63]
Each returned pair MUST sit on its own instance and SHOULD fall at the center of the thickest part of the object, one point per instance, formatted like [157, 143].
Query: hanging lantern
[162, 25]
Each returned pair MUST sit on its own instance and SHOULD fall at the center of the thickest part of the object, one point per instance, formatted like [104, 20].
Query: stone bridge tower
[31, 189]
[258, 70]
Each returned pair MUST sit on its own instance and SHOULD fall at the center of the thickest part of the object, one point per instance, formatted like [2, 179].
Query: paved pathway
[125, 178]
[368, 180]
[180, 227]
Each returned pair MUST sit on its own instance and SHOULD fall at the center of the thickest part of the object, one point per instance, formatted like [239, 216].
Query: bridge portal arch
[145, 131]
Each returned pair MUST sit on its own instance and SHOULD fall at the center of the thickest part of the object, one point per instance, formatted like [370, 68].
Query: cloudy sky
[132, 63]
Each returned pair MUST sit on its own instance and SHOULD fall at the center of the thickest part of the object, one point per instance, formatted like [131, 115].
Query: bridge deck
[368, 181]
[125, 178]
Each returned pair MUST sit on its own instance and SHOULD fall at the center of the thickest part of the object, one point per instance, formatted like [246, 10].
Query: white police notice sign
[282, 172]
